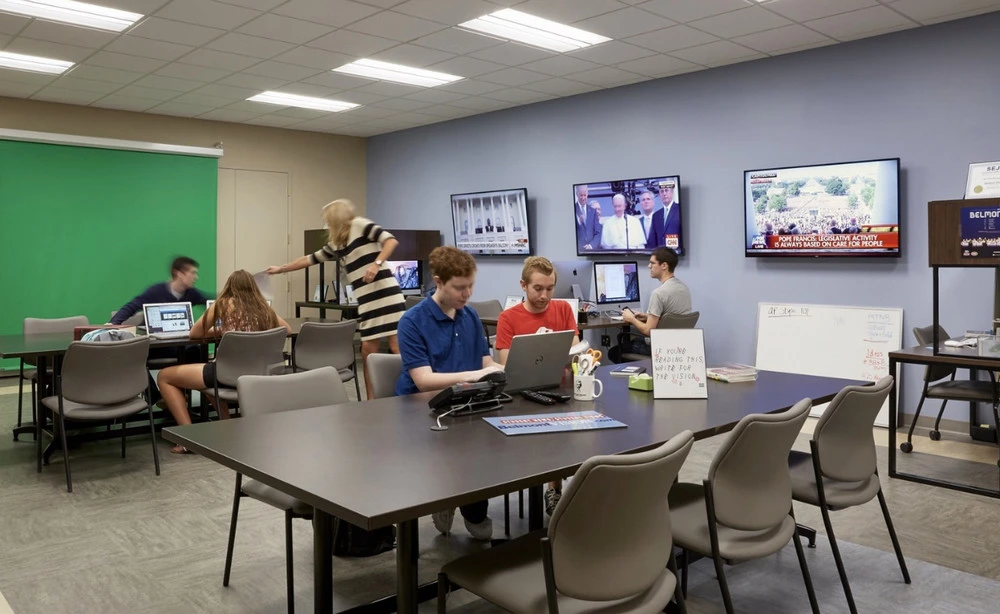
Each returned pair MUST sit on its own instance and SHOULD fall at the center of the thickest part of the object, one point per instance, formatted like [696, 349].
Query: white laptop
[168, 320]
[537, 361]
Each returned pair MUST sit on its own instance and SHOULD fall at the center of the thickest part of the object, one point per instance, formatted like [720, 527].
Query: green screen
[84, 230]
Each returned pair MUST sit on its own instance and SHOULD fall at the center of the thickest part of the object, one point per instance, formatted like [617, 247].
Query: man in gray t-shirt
[671, 298]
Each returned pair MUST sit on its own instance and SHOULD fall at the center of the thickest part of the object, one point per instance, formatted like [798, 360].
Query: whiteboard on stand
[829, 341]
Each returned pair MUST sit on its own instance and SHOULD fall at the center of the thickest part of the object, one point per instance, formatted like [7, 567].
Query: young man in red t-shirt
[537, 314]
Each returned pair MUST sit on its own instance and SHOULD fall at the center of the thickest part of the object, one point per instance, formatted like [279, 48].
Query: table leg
[322, 562]
[407, 547]
[535, 508]
[893, 418]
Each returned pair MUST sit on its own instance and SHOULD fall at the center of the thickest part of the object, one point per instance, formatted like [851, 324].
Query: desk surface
[377, 462]
[27, 346]
[958, 357]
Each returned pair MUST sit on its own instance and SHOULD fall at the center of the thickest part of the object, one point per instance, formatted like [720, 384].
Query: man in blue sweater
[180, 289]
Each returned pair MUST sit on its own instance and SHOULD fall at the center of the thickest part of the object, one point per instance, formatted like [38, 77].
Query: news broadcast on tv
[491, 223]
[627, 216]
[846, 209]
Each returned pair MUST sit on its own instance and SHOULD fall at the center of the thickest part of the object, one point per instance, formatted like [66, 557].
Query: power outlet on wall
[606, 340]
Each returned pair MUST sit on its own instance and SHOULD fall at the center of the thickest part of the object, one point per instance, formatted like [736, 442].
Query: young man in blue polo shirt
[442, 343]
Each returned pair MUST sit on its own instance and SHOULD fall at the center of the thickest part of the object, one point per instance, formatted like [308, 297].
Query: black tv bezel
[527, 223]
[777, 254]
[597, 294]
[630, 252]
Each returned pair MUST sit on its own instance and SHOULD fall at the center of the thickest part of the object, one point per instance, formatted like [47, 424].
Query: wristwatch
[379, 262]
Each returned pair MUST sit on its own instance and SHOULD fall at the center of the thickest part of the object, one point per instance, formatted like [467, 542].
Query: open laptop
[168, 320]
[537, 361]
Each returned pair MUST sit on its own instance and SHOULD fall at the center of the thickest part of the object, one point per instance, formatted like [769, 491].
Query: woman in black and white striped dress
[362, 247]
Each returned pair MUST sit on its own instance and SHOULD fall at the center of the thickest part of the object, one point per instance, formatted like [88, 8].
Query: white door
[253, 227]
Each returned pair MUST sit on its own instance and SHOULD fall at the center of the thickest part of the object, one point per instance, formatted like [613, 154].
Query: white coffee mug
[586, 387]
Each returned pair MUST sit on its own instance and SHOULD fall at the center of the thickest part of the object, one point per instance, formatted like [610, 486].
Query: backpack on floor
[352, 540]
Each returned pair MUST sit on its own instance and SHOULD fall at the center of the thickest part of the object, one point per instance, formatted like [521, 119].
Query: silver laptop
[168, 320]
[537, 361]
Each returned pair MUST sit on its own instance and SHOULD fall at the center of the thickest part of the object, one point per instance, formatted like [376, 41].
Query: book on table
[627, 370]
[732, 373]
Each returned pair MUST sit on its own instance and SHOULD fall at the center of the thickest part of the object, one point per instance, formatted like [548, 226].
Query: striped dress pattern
[380, 303]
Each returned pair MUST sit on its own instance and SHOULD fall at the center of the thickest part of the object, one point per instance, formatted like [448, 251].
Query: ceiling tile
[623, 23]
[804, 10]
[252, 81]
[513, 76]
[355, 44]
[456, 41]
[337, 80]
[359, 97]
[125, 103]
[31, 78]
[780, 39]
[56, 94]
[928, 11]
[194, 73]
[260, 5]
[285, 29]
[151, 93]
[12, 24]
[561, 87]
[18, 90]
[466, 66]
[86, 85]
[437, 95]
[673, 38]
[280, 70]
[559, 65]
[512, 54]
[396, 26]
[309, 89]
[402, 104]
[611, 52]
[860, 23]
[689, 10]
[569, 11]
[314, 58]
[738, 23]
[713, 54]
[169, 83]
[451, 12]
[516, 94]
[179, 108]
[470, 87]
[219, 59]
[46, 49]
[336, 13]
[4, 39]
[110, 59]
[440, 111]
[657, 66]
[412, 55]
[175, 31]
[259, 108]
[607, 76]
[224, 115]
[207, 13]
[478, 103]
[253, 46]
[228, 92]
[144, 7]
[369, 112]
[70, 35]
[212, 102]
[110, 75]
[276, 121]
[147, 48]
[384, 88]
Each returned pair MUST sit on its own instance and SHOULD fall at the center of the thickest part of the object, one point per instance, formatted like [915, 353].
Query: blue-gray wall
[930, 96]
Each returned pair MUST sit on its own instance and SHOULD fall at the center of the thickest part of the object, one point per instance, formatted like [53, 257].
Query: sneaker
[482, 531]
[442, 521]
[552, 497]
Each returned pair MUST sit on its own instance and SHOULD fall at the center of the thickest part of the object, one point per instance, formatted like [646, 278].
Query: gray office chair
[40, 326]
[688, 320]
[245, 353]
[607, 548]
[259, 395]
[949, 390]
[488, 309]
[99, 381]
[384, 370]
[841, 471]
[327, 344]
[743, 510]
[412, 300]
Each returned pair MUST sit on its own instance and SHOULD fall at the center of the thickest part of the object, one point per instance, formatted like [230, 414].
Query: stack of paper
[733, 373]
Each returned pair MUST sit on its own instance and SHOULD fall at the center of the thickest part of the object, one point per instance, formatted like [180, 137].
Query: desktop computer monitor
[572, 272]
[617, 282]
[408, 275]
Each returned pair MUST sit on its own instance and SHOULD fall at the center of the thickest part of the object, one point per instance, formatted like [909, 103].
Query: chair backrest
[39, 326]
[248, 353]
[487, 309]
[610, 532]
[265, 394]
[749, 474]
[383, 371]
[105, 372]
[688, 320]
[925, 336]
[325, 344]
[411, 300]
[844, 431]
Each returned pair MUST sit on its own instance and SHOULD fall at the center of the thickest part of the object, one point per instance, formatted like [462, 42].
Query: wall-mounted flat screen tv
[844, 209]
[492, 223]
[628, 216]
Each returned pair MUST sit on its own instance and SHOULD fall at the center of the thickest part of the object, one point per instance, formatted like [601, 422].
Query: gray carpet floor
[129, 541]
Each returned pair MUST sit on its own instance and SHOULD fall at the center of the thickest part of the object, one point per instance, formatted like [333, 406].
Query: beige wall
[321, 167]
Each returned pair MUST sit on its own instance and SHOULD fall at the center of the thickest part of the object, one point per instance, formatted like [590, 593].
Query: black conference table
[378, 462]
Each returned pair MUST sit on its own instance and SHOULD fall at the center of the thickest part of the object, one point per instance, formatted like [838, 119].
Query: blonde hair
[241, 306]
[536, 264]
[338, 215]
